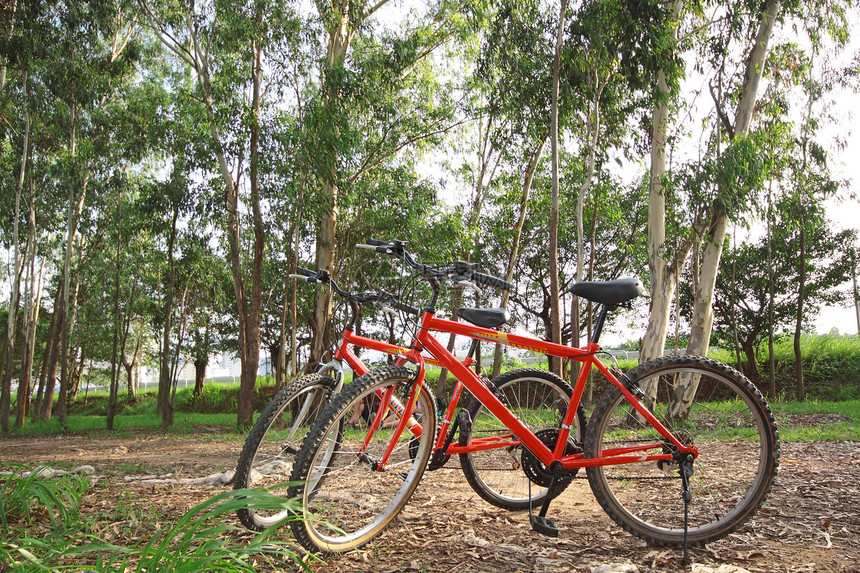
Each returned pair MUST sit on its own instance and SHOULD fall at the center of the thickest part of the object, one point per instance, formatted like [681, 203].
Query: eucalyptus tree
[378, 98]
[16, 274]
[732, 29]
[610, 55]
[225, 47]
[74, 57]
[512, 86]
[802, 177]
[19, 237]
[665, 258]
[759, 24]
[721, 184]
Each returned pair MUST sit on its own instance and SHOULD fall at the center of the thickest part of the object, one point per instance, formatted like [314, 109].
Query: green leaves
[202, 538]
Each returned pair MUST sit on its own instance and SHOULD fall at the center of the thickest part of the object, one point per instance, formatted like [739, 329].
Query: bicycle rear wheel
[507, 476]
[703, 403]
[346, 497]
[271, 447]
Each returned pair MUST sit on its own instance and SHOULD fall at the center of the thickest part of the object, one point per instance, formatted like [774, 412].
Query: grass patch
[831, 365]
[817, 420]
[42, 528]
[128, 425]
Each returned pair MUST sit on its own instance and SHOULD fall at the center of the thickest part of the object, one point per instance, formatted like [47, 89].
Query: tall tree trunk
[482, 182]
[340, 31]
[131, 365]
[201, 361]
[703, 312]
[34, 304]
[324, 262]
[588, 395]
[554, 333]
[180, 338]
[771, 358]
[662, 265]
[114, 363]
[165, 381]
[196, 56]
[76, 206]
[17, 268]
[798, 325]
[294, 343]
[734, 317]
[251, 336]
[456, 301]
[47, 378]
[123, 354]
[515, 244]
[592, 134]
[856, 290]
[279, 364]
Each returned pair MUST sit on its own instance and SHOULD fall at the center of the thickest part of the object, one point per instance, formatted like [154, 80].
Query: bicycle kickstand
[685, 469]
[540, 522]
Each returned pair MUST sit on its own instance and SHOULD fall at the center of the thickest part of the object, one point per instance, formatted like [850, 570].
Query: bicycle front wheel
[705, 404]
[510, 477]
[271, 447]
[347, 495]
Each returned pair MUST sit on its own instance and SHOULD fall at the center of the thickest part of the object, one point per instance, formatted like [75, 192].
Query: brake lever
[465, 283]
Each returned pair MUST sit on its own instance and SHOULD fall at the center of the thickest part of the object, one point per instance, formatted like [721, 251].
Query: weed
[41, 528]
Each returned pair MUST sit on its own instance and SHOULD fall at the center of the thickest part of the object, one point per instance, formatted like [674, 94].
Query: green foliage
[815, 420]
[136, 131]
[39, 515]
[24, 495]
[44, 529]
[831, 365]
[201, 539]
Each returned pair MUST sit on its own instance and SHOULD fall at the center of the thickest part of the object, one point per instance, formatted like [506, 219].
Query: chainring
[535, 470]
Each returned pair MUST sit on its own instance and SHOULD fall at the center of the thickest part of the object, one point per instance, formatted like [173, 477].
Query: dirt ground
[811, 521]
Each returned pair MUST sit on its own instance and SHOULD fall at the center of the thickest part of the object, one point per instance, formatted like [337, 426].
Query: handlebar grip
[402, 306]
[492, 281]
[377, 243]
[305, 272]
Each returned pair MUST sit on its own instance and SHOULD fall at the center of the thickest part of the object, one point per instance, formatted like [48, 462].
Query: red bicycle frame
[344, 352]
[520, 434]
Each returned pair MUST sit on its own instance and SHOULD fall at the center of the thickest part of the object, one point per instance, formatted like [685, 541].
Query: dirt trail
[811, 521]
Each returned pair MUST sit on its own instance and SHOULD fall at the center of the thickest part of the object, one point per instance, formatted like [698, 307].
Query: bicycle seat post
[601, 319]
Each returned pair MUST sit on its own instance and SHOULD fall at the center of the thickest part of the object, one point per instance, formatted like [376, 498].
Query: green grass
[831, 366]
[43, 529]
[818, 420]
[128, 425]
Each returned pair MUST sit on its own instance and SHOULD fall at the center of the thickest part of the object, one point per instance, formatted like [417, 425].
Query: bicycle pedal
[543, 525]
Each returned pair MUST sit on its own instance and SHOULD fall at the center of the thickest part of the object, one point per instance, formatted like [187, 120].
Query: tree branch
[373, 9]
[724, 119]
[370, 162]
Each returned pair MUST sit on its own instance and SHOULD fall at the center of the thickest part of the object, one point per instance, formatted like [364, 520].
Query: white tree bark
[703, 312]
[661, 263]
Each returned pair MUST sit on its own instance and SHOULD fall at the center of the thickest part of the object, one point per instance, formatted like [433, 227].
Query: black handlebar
[460, 269]
[403, 307]
[492, 281]
[383, 298]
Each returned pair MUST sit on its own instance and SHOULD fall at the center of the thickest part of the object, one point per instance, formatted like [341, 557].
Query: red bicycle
[680, 450]
[267, 457]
